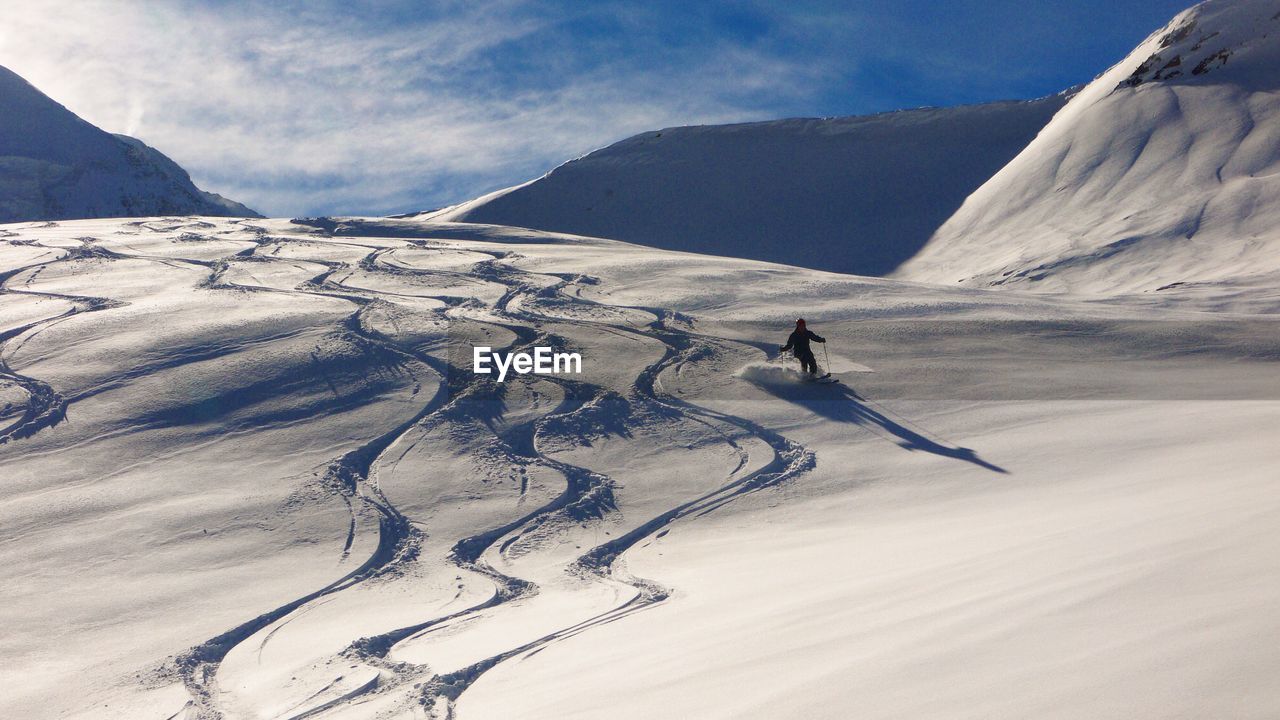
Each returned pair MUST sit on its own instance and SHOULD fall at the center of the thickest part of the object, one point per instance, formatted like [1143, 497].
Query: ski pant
[808, 363]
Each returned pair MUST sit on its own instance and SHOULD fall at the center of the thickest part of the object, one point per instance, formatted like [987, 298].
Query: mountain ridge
[1160, 175]
[856, 194]
[54, 165]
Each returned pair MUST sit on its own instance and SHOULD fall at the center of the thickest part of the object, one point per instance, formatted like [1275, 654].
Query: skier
[798, 343]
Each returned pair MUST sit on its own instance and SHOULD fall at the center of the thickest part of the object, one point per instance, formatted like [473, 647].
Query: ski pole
[826, 356]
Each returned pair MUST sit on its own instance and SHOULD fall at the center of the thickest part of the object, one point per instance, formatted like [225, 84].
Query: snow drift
[1162, 174]
[853, 194]
[785, 370]
[770, 373]
[54, 165]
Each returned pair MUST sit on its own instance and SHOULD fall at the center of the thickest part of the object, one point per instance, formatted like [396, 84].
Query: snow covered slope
[248, 474]
[1163, 173]
[53, 165]
[855, 194]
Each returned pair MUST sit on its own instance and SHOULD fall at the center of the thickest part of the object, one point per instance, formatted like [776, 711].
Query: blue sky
[382, 106]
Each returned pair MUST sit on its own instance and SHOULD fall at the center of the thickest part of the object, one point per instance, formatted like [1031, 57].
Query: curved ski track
[46, 407]
[587, 494]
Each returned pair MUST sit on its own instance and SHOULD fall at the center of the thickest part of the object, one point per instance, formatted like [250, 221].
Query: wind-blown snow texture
[54, 166]
[857, 194]
[1163, 173]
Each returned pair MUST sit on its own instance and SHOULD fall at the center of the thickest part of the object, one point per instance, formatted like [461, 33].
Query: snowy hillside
[856, 194]
[1163, 174]
[249, 474]
[53, 165]
[249, 470]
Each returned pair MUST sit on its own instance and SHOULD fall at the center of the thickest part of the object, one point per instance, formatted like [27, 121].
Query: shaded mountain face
[855, 194]
[1161, 175]
[54, 166]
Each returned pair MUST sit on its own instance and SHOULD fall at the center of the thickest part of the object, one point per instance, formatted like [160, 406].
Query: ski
[823, 379]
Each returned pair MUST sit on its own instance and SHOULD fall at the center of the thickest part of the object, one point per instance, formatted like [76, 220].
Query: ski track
[46, 407]
[587, 494]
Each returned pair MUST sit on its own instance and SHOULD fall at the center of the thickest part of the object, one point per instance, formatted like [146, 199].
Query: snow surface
[1161, 175]
[248, 475]
[852, 194]
[54, 165]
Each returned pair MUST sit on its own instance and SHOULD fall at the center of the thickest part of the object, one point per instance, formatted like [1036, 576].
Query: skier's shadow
[842, 403]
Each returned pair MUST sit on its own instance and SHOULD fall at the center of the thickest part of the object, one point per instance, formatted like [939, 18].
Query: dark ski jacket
[799, 341]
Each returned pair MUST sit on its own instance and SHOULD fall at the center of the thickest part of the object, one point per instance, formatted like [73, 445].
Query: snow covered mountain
[1164, 173]
[54, 165]
[854, 194]
[249, 471]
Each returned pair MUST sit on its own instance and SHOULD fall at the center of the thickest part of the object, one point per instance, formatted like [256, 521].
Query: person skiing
[798, 343]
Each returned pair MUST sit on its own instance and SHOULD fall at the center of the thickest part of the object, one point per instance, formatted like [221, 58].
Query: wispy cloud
[329, 107]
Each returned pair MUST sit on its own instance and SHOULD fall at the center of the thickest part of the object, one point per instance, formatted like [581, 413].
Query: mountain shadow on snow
[852, 194]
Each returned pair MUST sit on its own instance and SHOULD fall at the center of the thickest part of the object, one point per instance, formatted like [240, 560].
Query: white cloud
[306, 108]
